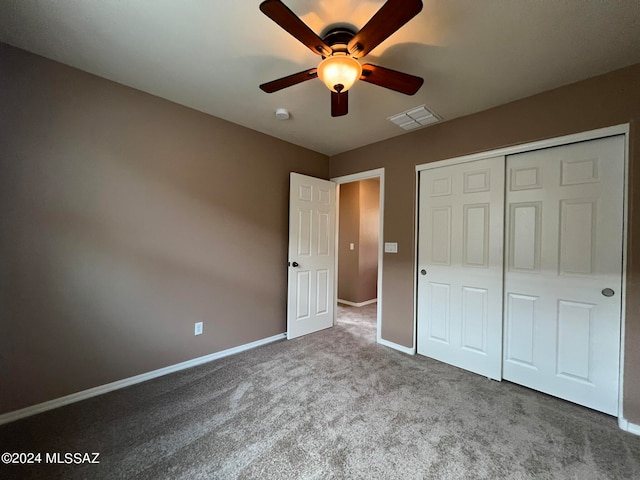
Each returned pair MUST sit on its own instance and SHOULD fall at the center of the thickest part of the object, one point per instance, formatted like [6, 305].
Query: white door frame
[356, 177]
[622, 129]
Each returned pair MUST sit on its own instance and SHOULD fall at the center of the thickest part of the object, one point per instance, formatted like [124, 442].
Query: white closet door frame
[622, 129]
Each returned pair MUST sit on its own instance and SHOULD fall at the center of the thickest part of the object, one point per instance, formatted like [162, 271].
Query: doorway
[358, 228]
[359, 242]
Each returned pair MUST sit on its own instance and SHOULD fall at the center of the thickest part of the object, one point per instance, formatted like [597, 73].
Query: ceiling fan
[341, 47]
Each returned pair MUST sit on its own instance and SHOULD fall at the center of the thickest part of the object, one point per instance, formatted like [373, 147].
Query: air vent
[415, 118]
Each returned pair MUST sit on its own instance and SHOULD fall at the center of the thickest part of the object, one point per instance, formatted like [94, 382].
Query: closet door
[460, 265]
[563, 271]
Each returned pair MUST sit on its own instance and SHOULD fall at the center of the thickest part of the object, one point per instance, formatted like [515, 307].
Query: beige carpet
[329, 405]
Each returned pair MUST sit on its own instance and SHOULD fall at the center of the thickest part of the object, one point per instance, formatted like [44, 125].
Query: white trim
[356, 177]
[395, 346]
[336, 249]
[416, 223]
[528, 147]
[623, 299]
[126, 382]
[627, 426]
[361, 304]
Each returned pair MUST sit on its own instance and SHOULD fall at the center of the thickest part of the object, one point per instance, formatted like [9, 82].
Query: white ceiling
[212, 55]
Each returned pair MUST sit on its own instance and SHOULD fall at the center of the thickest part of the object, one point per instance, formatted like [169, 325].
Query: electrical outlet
[198, 328]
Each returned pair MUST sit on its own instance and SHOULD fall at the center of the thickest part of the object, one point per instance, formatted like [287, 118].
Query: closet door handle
[423, 272]
[608, 292]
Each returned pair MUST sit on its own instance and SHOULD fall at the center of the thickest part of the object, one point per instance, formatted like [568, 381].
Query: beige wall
[369, 233]
[349, 232]
[124, 219]
[598, 102]
[359, 224]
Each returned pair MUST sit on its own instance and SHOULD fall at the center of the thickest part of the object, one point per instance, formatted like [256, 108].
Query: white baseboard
[126, 382]
[361, 304]
[395, 346]
[628, 426]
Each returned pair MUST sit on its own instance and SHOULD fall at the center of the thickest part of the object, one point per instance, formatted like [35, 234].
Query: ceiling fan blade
[391, 16]
[339, 104]
[290, 80]
[391, 79]
[283, 16]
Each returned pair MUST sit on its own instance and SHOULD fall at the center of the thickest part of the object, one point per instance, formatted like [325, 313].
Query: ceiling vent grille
[414, 118]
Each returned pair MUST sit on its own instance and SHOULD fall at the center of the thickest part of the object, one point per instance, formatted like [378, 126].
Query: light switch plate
[352, 246]
[390, 247]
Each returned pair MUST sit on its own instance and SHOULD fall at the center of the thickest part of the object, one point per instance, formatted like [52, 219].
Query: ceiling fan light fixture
[339, 72]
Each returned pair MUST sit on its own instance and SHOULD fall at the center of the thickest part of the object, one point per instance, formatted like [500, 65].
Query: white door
[460, 265]
[312, 218]
[563, 273]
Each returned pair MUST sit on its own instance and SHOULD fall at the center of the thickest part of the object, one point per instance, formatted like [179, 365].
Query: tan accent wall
[369, 233]
[349, 232]
[598, 102]
[360, 225]
[125, 219]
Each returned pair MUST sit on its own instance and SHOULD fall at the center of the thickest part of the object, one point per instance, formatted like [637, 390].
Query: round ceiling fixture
[339, 72]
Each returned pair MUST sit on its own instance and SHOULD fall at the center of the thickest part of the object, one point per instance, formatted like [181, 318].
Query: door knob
[295, 264]
[423, 272]
[608, 292]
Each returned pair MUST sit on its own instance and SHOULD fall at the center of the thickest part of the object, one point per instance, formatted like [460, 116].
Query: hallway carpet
[333, 404]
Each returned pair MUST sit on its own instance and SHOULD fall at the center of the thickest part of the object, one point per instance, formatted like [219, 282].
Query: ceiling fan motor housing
[338, 38]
